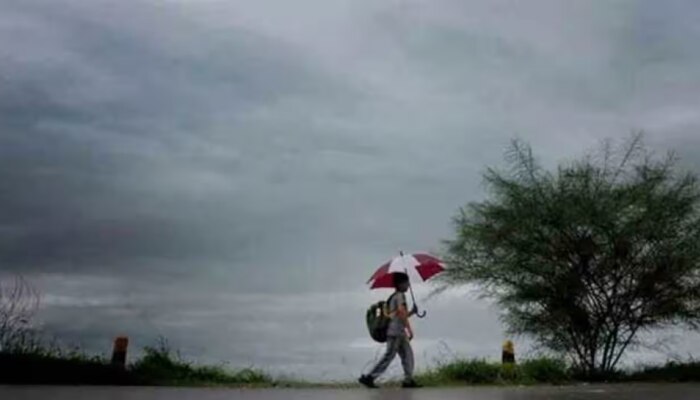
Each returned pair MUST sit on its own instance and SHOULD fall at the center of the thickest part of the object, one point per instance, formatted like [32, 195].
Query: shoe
[411, 385]
[367, 381]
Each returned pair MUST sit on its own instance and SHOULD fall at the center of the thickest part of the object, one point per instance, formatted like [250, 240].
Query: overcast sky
[228, 173]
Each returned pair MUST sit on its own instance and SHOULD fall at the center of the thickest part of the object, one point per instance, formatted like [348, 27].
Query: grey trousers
[394, 345]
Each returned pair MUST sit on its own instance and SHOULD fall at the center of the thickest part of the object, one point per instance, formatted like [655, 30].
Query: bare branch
[19, 302]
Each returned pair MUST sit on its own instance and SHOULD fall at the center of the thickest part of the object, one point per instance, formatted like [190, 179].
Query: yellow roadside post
[508, 355]
[121, 343]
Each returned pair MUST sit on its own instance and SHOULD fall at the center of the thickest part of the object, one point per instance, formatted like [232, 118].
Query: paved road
[616, 392]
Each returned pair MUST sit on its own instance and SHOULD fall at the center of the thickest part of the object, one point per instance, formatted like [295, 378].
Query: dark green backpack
[378, 321]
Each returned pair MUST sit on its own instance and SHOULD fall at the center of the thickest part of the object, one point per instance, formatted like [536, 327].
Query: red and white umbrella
[423, 265]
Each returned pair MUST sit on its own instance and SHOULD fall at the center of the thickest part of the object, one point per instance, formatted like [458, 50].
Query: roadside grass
[672, 371]
[552, 371]
[541, 370]
[51, 367]
[160, 366]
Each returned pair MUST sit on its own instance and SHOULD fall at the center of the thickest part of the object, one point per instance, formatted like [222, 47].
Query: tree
[585, 258]
[18, 303]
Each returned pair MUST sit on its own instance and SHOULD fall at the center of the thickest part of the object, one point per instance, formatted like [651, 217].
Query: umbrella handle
[421, 314]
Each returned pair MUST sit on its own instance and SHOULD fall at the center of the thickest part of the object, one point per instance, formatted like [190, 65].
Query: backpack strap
[387, 310]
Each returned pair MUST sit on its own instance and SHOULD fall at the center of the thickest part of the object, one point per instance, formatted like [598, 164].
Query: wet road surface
[601, 392]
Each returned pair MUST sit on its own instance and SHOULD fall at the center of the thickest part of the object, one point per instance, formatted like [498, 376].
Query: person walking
[399, 336]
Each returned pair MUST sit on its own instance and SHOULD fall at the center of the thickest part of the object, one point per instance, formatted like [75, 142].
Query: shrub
[545, 370]
[470, 371]
[159, 366]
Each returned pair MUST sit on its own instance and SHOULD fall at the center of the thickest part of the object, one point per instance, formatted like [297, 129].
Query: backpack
[378, 320]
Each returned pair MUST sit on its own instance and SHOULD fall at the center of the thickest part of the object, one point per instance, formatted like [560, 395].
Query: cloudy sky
[228, 173]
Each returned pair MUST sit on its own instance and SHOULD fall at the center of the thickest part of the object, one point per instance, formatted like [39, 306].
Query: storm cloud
[227, 174]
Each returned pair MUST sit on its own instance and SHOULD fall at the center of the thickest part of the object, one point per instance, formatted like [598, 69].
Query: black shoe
[367, 381]
[411, 385]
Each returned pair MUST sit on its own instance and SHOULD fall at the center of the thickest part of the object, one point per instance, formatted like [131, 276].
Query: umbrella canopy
[424, 265]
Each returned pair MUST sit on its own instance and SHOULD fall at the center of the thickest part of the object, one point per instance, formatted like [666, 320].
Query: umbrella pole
[413, 298]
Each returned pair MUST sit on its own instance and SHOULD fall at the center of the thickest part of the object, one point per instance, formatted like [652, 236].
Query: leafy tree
[585, 258]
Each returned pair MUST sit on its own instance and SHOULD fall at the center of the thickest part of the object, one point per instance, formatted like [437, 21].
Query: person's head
[401, 281]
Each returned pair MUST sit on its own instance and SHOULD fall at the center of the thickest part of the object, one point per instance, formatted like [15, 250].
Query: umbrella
[424, 265]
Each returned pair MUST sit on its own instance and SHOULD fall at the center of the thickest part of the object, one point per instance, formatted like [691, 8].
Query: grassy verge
[549, 371]
[159, 366]
[482, 372]
[670, 372]
[50, 368]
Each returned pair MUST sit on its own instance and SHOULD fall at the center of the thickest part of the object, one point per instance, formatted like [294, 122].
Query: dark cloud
[164, 163]
[129, 142]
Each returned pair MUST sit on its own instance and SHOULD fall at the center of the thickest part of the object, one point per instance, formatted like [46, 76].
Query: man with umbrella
[399, 332]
